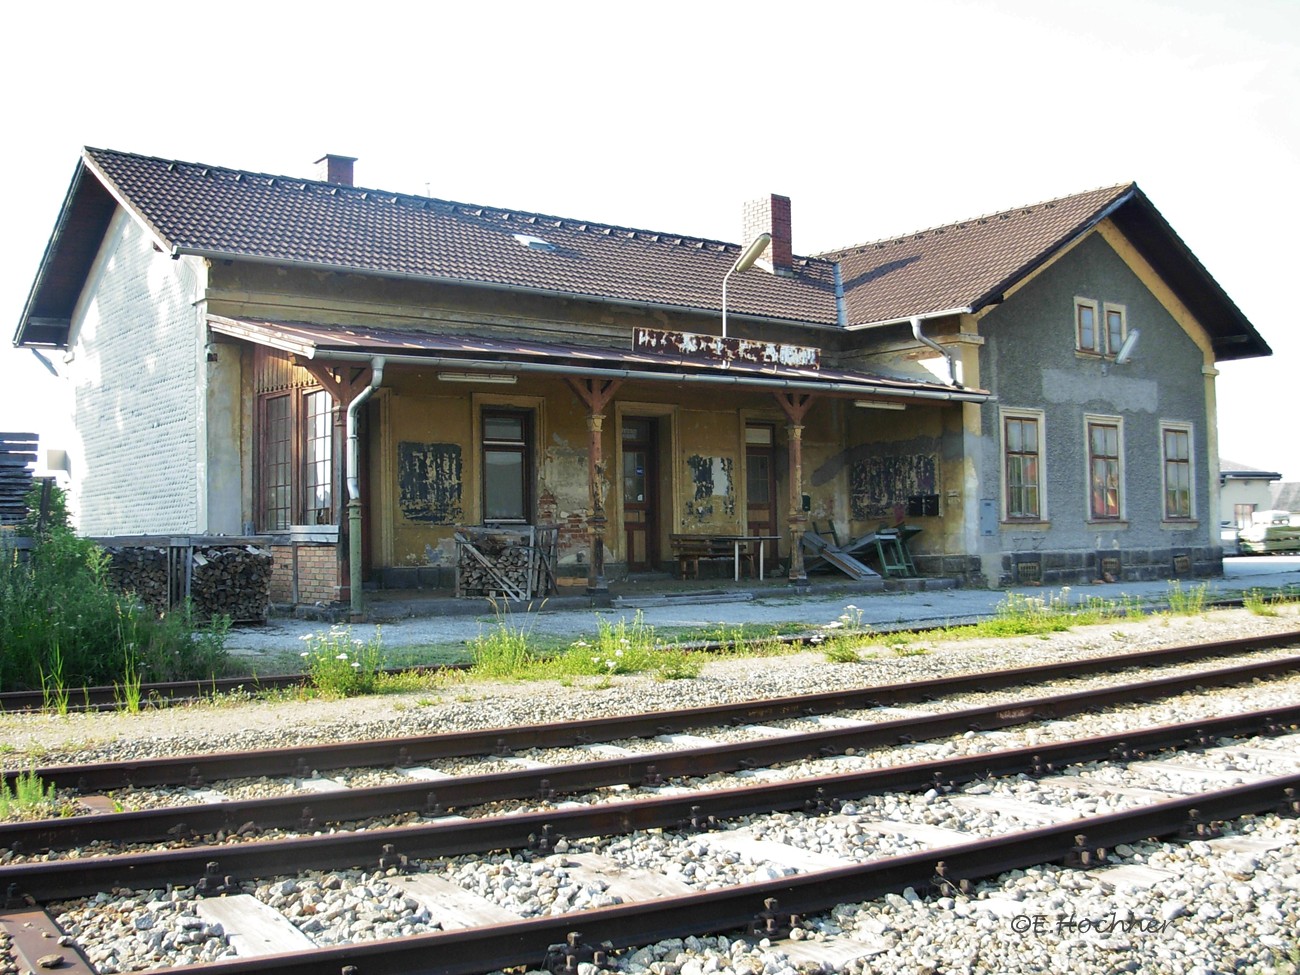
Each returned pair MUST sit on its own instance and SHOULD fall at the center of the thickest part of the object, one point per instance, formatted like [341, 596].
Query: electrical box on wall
[988, 517]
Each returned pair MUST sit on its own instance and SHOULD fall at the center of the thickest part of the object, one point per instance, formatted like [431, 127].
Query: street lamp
[743, 263]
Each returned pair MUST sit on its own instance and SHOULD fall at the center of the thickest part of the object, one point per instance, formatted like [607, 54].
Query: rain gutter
[354, 484]
[731, 379]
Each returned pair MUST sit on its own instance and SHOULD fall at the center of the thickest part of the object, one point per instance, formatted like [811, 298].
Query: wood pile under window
[509, 563]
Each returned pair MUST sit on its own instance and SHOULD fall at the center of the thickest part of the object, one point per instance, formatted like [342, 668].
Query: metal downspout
[354, 485]
[952, 366]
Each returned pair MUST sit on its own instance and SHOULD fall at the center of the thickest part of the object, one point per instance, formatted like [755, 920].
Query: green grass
[63, 626]
[1188, 602]
[339, 666]
[1269, 603]
[30, 795]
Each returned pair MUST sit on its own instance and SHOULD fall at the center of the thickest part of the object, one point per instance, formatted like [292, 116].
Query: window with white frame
[1022, 466]
[1105, 468]
[1114, 322]
[1176, 454]
[1087, 336]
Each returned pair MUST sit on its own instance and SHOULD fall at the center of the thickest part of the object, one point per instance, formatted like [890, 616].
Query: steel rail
[525, 943]
[166, 693]
[302, 760]
[302, 811]
[64, 878]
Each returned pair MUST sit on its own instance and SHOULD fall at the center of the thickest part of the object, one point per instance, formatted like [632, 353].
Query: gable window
[507, 473]
[1022, 439]
[1088, 339]
[1105, 469]
[1099, 329]
[1176, 451]
[295, 432]
[1115, 328]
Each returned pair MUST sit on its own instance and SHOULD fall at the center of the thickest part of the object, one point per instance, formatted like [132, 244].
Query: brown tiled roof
[210, 210]
[963, 265]
[226, 213]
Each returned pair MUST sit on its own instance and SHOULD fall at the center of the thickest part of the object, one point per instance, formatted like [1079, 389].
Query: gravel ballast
[1219, 908]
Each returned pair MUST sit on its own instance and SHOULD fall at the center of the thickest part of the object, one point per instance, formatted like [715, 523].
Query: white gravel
[1222, 911]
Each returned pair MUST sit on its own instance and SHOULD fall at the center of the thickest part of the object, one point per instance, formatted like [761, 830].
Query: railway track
[669, 799]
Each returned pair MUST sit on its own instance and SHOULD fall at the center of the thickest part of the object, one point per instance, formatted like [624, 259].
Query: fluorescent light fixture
[1126, 350]
[756, 247]
[504, 379]
[743, 263]
[877, 404]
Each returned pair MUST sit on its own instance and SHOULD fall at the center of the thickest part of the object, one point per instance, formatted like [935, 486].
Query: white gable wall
[139, 390]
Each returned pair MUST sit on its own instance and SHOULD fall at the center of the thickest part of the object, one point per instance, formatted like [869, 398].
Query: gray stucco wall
[1030, 362]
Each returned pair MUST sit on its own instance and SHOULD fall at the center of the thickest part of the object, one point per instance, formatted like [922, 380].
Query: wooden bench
[688, 550]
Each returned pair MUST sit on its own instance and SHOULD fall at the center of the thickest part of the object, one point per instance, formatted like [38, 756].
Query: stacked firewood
[223, 580]
[142, 571]
[495, 564]
[232, 581]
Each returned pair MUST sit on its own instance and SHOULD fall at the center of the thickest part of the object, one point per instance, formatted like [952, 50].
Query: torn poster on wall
[429, 482]
[712, 481]
[880, 486]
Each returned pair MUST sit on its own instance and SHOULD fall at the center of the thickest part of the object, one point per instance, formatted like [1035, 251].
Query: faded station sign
[728, 349]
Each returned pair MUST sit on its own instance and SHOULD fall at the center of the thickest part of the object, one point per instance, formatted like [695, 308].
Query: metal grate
[1029, 573]
[1110, 566]
[1182, 565]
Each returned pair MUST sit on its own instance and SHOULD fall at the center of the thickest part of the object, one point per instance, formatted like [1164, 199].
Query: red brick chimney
[335, 169]
[771, 215]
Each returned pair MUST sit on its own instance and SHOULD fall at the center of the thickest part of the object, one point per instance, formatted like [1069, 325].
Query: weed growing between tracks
[29, 796]
[1186, 603]
[1267, 604]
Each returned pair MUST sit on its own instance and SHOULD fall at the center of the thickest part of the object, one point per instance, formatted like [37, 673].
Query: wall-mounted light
[1126, 350]
[743, 263]
[504, 379]
[878, 404]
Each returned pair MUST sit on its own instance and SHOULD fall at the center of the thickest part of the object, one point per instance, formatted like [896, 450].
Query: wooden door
[640, 495]
[760, 479]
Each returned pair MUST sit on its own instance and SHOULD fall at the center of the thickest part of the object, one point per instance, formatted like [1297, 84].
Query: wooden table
[692, 548]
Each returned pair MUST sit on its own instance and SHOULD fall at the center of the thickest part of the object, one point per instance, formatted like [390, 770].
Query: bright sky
[875, 118]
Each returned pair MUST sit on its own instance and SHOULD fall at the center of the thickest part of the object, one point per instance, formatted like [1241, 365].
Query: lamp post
[743, 263]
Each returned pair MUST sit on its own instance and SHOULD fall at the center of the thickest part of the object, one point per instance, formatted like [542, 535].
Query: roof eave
[309, 349]
[43, 330]
[183, 250]
[1181, 269]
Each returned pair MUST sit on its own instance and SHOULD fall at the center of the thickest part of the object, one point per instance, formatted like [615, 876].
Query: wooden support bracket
[594, 392]
[794, 405]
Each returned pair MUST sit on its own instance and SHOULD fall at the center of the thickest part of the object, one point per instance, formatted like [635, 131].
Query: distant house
[1286, 497]
[251, 352]
[1243, 491]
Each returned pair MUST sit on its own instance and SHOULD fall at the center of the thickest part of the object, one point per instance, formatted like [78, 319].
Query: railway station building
[371, 384]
